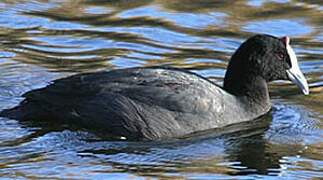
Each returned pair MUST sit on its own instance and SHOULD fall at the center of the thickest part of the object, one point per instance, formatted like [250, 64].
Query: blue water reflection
[281, 27]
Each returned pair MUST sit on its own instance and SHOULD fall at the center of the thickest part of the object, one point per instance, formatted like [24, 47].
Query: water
[44, 40]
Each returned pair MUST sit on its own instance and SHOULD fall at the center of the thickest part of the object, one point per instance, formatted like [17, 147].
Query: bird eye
[280, 56]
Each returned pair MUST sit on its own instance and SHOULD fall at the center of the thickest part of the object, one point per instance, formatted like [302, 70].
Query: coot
[153, 103]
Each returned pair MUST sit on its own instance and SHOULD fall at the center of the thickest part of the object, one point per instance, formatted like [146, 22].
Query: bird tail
[24, 111]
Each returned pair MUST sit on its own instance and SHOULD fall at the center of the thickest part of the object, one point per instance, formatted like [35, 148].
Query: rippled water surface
[42, 40]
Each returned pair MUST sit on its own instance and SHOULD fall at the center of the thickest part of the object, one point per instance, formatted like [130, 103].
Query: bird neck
[252, 90]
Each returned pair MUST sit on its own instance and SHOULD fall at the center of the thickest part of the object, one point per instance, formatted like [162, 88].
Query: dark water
[48, 39]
